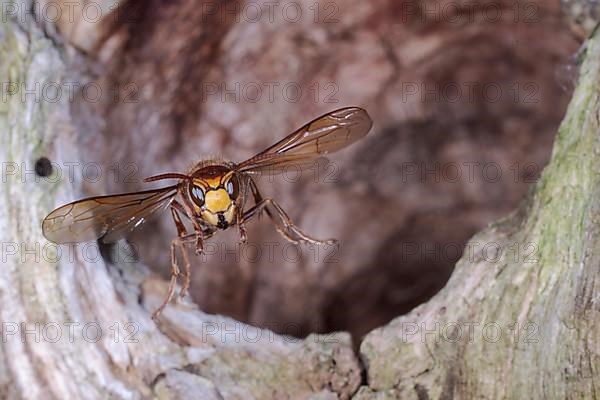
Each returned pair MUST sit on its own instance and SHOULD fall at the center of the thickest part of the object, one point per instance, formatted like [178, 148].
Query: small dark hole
[43, 167]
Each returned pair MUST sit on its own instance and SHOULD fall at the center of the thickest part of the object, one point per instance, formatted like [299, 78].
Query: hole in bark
[438, 186]
[43, 167]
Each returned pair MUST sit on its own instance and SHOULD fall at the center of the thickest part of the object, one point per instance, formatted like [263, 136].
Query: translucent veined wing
[326, 134]
[106, 217]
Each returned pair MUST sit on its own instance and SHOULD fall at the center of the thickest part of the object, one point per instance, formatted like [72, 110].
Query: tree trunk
[519, 317]
[74, 327]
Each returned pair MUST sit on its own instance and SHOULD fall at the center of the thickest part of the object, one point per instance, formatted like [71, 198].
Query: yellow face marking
[213, 219]
[210, 218]
[217, 200]
[218, 209]
[214, 182]
[229, 214]
[207, 184]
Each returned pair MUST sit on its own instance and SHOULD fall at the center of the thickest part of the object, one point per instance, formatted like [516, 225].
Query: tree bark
[73, 325]
[519, 317]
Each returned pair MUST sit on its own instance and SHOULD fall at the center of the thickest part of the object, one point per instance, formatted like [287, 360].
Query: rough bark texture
[543, 301]
[45, 288]
[519, 317]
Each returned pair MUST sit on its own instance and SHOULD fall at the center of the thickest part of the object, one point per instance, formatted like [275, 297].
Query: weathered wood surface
[90, 333]
[520, 319]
